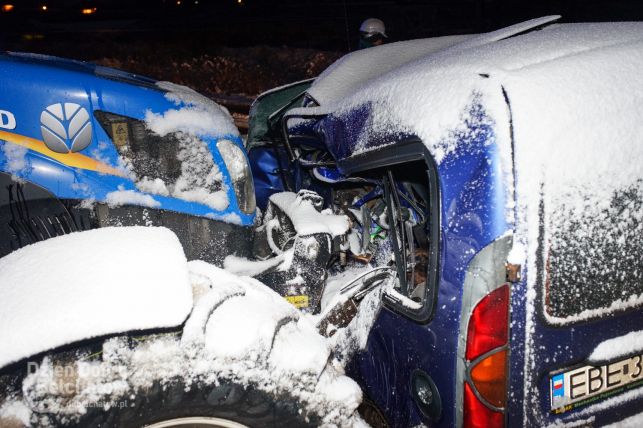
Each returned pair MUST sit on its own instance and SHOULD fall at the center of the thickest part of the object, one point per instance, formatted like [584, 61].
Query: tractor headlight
[240, 175]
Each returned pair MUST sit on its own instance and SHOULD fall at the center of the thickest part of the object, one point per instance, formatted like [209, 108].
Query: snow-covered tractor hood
[91, 284]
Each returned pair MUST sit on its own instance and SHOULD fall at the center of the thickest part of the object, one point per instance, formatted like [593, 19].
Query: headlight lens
[240, 175]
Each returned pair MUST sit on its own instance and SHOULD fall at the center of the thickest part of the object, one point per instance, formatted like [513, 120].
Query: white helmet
[373, 26]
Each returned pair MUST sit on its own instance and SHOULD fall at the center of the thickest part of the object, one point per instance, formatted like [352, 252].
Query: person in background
[372, 33]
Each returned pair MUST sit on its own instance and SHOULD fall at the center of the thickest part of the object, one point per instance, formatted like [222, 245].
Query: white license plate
[588, 384]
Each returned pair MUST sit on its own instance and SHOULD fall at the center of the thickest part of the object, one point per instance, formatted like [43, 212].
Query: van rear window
[594, 258]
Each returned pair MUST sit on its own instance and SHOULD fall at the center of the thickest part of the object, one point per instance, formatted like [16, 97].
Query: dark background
[247, 46]
[327, 25]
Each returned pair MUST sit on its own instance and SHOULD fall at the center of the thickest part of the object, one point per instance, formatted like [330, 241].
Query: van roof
[510, 49]
[426, 92]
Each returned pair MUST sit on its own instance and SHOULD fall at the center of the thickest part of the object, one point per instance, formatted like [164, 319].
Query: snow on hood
[196, 115]
[196, 118]
[89, 284]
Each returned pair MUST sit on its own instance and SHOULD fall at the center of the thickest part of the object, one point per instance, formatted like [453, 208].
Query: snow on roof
[359, 67]
[571, 94]
[89, 284]
[428, 95]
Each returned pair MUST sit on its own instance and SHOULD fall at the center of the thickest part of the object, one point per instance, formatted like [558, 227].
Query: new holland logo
[66, 127]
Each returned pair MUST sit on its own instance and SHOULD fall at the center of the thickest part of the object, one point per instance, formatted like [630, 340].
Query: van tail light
[489, 323]
[477, 415]
[485, 390]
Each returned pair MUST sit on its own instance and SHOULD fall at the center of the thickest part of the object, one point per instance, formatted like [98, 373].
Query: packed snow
[245, 267]
[196, 114]
[616, 347]
[130, 197]
[306, 219]
[89, 284]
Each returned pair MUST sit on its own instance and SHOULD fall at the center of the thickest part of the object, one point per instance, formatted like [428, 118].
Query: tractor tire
[227, 405]
[244, 358]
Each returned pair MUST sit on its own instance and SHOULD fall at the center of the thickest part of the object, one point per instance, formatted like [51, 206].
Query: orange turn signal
[489, 377]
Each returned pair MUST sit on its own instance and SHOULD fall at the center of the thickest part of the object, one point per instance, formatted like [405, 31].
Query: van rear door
[584, 350]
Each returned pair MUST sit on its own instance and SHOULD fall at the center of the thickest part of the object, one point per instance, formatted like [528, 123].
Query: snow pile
[197, 114]
[305, 217]
[222, 341]
[616, 347]
[245, 267]
[156, 186]
[15, 414]
[89, 284]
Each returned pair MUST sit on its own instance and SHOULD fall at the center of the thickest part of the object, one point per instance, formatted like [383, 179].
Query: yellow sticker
[298, 301]
[120, 133]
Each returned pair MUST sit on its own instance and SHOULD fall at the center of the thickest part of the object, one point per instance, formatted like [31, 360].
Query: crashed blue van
[88, 146]
[500, 176]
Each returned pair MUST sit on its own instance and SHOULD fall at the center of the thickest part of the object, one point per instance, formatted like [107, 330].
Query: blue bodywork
[30, 83]
[474, 213]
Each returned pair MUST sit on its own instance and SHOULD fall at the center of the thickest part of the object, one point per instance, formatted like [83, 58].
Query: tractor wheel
[227, 405]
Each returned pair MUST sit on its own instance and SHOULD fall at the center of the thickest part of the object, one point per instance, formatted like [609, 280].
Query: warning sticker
[120, 134]
[298, 301]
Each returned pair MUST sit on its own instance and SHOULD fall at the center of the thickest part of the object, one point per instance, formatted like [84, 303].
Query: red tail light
[487, 337]
[488, 325]
[477, 415]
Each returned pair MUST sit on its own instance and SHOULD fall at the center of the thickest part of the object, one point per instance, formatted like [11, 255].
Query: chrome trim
[197, 421]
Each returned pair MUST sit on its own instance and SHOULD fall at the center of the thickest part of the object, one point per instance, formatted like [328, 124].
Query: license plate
[588, 384]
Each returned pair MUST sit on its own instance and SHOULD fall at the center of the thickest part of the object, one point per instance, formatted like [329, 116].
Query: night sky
[330, 25]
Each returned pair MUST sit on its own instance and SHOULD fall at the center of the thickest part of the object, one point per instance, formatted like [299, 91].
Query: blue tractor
[78, 151]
